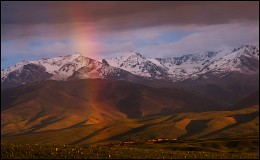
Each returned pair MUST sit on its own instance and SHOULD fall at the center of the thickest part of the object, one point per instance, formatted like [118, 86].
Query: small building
[129, 142]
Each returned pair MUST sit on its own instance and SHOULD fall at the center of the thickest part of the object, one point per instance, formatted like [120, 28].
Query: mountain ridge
[211, 64]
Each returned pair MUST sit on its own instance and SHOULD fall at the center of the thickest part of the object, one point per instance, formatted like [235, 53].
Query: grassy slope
[52, 105]
[213, 125]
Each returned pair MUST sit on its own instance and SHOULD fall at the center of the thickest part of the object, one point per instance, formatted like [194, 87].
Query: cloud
[213, 37]
[200, 38]
[178, 12]
[29, 18]
[32, 30]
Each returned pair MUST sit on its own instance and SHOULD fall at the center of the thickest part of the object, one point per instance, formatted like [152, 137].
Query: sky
[160, 29]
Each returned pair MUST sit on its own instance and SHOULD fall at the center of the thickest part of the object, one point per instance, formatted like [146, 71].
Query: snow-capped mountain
[132, 66]
[63, 67]
[138, 65]
[211, 64]
[244, 59]
[15, 67]
[74, 66]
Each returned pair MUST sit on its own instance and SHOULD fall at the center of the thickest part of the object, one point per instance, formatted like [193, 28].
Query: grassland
[204, 125]
[181, 150]
[230, 134]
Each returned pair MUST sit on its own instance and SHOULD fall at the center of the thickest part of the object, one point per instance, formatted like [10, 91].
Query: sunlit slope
[53, 105]
[239, 124]
[198, 125]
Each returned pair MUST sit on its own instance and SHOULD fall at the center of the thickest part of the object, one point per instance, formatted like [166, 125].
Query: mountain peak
[76, 54]
[208, 64]
[132, 53]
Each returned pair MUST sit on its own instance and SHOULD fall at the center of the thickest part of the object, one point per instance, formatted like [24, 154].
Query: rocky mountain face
[27, 73]
[68, 67]
[212, 64]
[138, 65]
[133, 66]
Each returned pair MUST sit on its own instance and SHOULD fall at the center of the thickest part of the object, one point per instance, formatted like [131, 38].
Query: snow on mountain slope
[244, 59]
[60, 67]
[64, 66]
[211, 63]
[135, 63]
[25, 74]
[89, 68]
[104, 71]
[180, 68]
[74, 66]
[15, 67]
[175, 69]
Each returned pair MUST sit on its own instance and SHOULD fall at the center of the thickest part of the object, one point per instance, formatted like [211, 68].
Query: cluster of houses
[151, 141]
[158, 140]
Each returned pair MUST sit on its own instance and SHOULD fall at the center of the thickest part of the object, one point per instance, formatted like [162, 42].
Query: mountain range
[135, 67]
[78, 100]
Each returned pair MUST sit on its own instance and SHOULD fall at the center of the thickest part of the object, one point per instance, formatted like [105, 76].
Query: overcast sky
[34, 30]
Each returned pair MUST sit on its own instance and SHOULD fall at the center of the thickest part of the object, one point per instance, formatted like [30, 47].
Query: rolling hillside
[101, 111]
[223, 125]
[54, 105]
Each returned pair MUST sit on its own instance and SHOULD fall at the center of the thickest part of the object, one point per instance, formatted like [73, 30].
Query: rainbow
[82, 34]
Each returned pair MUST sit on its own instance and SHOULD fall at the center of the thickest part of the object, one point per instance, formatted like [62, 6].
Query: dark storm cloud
[131, 13]
[25, 19]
